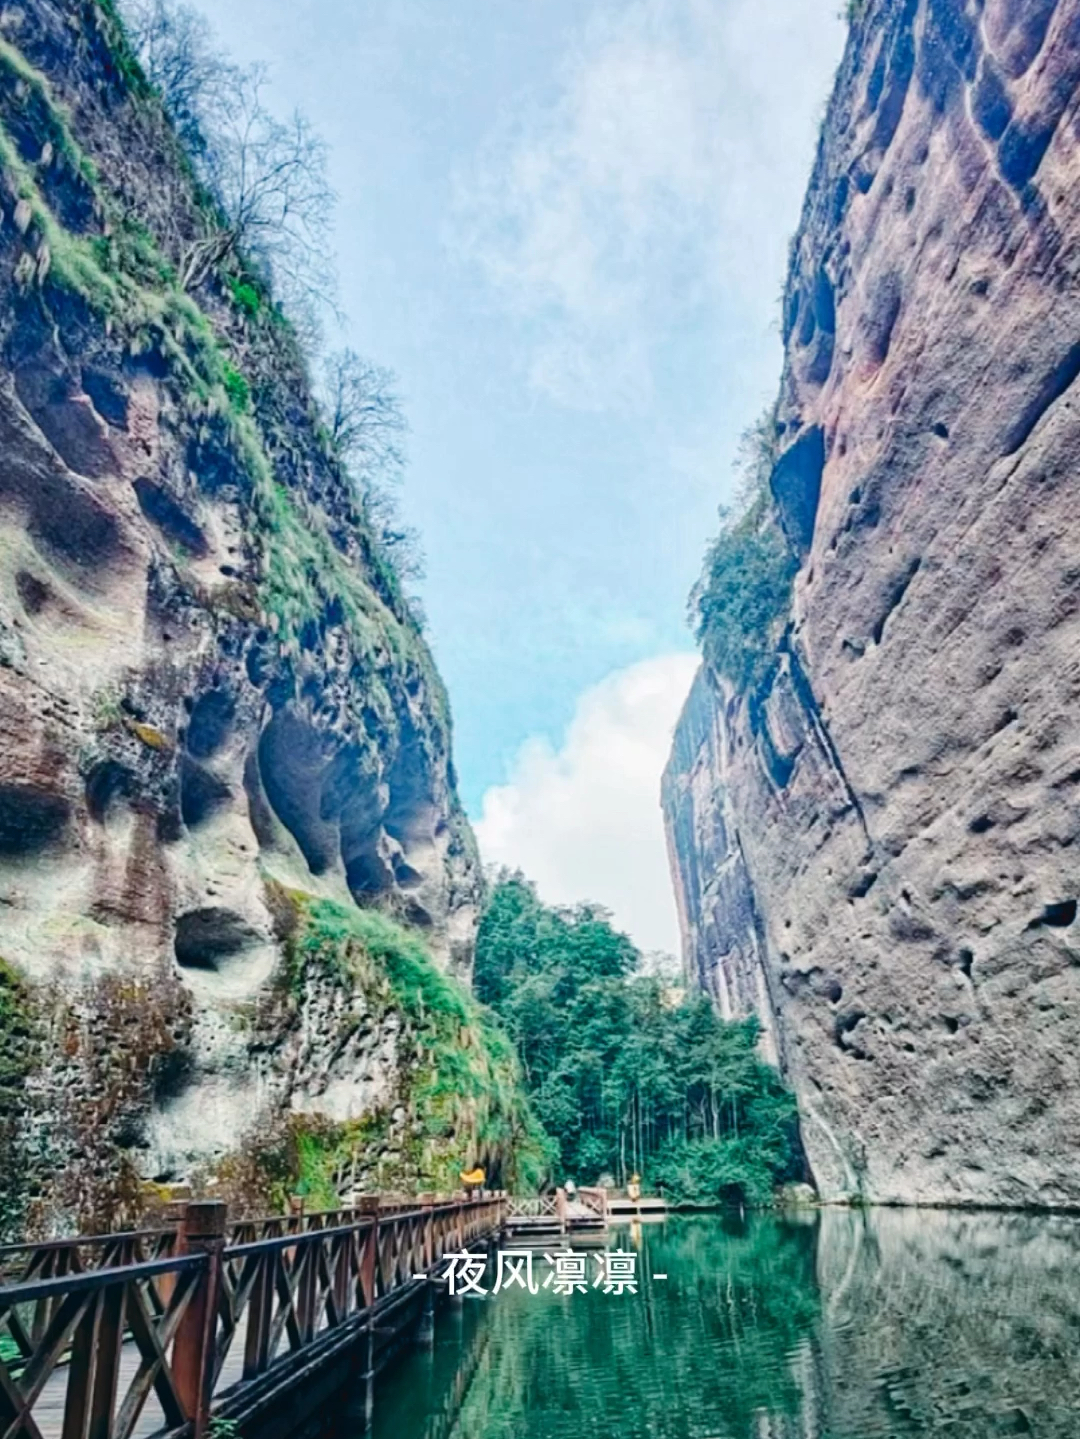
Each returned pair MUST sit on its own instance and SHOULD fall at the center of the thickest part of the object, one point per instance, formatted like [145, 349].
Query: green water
[879, 1325]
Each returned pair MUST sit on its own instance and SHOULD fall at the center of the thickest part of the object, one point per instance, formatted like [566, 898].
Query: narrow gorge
[873, 827]
[239, 894]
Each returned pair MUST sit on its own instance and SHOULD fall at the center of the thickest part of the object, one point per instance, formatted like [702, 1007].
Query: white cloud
[660, 177]
[584, 821]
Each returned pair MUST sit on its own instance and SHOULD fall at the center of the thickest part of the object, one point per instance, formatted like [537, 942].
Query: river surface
[875, 1325]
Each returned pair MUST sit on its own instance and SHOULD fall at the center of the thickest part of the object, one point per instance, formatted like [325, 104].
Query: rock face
[876, 851]
[723, 936]
[209, 682]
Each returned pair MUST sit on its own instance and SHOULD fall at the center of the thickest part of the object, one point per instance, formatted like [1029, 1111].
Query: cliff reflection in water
[941, 1323]
[848, 1326]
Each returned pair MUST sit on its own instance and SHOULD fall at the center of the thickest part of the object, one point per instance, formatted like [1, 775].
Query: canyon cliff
[874, 844]
[234, 871]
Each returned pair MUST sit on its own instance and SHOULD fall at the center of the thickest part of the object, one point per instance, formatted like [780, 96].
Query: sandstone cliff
[216, 711]
[874, 848]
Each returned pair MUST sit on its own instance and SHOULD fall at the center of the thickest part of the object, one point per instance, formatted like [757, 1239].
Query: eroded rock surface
[877, 852]
[209, 681]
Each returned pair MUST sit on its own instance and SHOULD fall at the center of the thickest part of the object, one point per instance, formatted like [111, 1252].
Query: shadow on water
[876, 1325]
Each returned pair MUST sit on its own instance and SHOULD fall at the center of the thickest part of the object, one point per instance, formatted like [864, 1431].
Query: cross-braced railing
[594, 1199]
[87, 1318]
[53, 1258]
[285, 1288]
[533, 1207]
[90, 1329]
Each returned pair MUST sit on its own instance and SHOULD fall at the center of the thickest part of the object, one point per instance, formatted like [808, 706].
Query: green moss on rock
[123, 276]
[459, 1081]
[19, 1056]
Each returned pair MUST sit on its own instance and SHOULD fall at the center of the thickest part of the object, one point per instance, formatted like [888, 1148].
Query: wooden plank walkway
[134, 1335]
[49, 1409]
[574, 1218]
[643, 1208]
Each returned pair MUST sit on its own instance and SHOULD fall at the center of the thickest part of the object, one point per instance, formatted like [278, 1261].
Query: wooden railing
[532, 1207]
[53, 1258]
[594, 1198]
[197, 1315]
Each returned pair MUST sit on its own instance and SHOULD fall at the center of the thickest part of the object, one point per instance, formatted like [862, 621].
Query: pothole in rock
[163, 511]
[33, 592]
[211, 723]
[1058, 915]
[209, 938]
[31, 820]
[107, 783]
[202, 794]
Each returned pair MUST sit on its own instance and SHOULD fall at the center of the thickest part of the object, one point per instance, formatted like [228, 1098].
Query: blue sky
[564, 225]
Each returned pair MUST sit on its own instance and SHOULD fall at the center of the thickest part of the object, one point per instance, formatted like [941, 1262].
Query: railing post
[260, 1312]
[341, 1255]
[369, 1379]
[560, 1208]
[202, 1231]
[173, 1218]
[425, 1334]
[95, 1367]
[369, 1253]
[427, 1202]
[307, 1259]
[109, 1337]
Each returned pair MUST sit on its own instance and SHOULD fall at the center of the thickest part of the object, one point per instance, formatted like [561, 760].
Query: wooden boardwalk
[581, 1212]
[49, 1409]
[542, 1221]
[159, 1332]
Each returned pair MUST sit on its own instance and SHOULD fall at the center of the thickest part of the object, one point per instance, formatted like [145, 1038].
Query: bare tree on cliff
[268, 177]
[368, 429]
[175, 47]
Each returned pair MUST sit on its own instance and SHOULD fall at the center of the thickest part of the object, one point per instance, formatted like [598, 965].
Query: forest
[627, 1074]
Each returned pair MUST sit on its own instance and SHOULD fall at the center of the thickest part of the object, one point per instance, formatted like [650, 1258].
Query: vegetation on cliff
[227, 354]
[18, 1055]
[128, 274]
[458, 1100]
[745, 588]
[96, 1058]
[624, 1075]
[83, 1066]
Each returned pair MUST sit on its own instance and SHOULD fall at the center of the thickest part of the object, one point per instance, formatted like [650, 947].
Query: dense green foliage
[625, 1076]
[745, 590]
[461, 1081]
[246, 296]
[745, 586]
